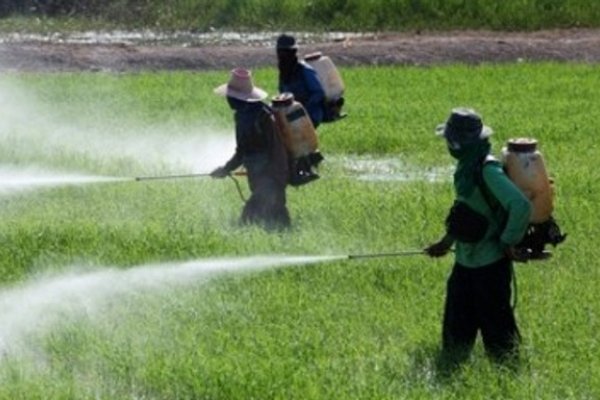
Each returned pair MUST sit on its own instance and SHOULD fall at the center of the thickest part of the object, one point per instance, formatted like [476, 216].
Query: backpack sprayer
[524, 165]
[331, 82]
[299, 138]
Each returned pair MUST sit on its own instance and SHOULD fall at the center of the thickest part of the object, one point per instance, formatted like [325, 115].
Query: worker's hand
[441, 248]
[517, 254]
[219, 173]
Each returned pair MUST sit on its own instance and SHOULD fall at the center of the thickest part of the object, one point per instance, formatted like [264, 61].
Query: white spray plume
[14, 179]
[30, 127]
[33, 307]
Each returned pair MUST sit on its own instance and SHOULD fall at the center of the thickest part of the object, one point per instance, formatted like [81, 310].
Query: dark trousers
[478, 299]
[267, 203]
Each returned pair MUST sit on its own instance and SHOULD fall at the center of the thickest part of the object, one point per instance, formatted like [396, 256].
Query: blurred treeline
[317, 14]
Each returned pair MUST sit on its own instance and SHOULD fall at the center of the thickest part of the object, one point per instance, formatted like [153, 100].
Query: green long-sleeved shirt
[514, 208]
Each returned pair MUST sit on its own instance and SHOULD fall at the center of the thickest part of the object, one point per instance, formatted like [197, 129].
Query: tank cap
[522, 145]
[313, 56]
[283, 99]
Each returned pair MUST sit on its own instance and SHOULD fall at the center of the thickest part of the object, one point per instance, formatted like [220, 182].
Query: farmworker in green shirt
[259, 149]
[479, 287]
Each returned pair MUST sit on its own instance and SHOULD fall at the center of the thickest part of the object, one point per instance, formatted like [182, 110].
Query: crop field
[117, 288]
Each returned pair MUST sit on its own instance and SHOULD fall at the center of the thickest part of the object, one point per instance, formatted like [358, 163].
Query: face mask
[286, 60]
[454, 147]
[456, 153]
[234, 103]
[461, 150]
[452, 144]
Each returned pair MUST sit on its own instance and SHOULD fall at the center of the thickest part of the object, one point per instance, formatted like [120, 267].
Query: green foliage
[360, 15]
[343, 329]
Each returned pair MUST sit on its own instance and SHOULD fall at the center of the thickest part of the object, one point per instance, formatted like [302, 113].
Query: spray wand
[204, 175]
[526, 256]
[164, 177]
[395, 254]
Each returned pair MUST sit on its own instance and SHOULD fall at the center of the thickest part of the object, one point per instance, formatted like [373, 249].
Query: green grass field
[96, 301]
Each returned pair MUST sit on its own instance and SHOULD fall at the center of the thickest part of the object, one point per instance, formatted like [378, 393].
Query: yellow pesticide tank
[328, 75]
[525, 166]
[296, 128]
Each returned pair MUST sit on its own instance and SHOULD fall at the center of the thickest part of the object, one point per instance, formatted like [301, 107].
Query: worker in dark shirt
[259, 149]
[300, 79]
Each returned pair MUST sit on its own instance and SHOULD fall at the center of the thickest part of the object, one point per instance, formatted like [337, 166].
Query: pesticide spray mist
[33, 135]
[15, 179]
[33, 308]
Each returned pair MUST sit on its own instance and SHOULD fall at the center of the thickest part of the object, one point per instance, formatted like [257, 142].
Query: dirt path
[371, 49]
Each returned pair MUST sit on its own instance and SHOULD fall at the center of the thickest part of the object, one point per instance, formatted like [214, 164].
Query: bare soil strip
[471, 47]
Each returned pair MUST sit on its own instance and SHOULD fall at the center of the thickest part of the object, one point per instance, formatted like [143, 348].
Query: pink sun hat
[240, 87]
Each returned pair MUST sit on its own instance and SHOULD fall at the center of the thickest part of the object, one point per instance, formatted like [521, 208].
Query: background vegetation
[357, 15]
[333, 330]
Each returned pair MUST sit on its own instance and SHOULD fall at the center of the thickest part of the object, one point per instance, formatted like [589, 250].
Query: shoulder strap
[265, 113]
[304, 67]
[489, 197]
[267, 108]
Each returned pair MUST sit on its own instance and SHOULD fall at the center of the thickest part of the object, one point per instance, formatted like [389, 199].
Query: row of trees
[53, 8]
[319, 14]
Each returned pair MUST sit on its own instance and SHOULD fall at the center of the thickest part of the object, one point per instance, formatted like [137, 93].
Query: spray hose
[238, 187]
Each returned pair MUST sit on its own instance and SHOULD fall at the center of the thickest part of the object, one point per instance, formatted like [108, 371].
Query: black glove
[440, 248]
[219, 173]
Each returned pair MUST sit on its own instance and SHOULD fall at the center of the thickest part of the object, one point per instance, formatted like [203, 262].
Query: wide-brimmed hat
[286, 42]
[463, 126]
[240, 86]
